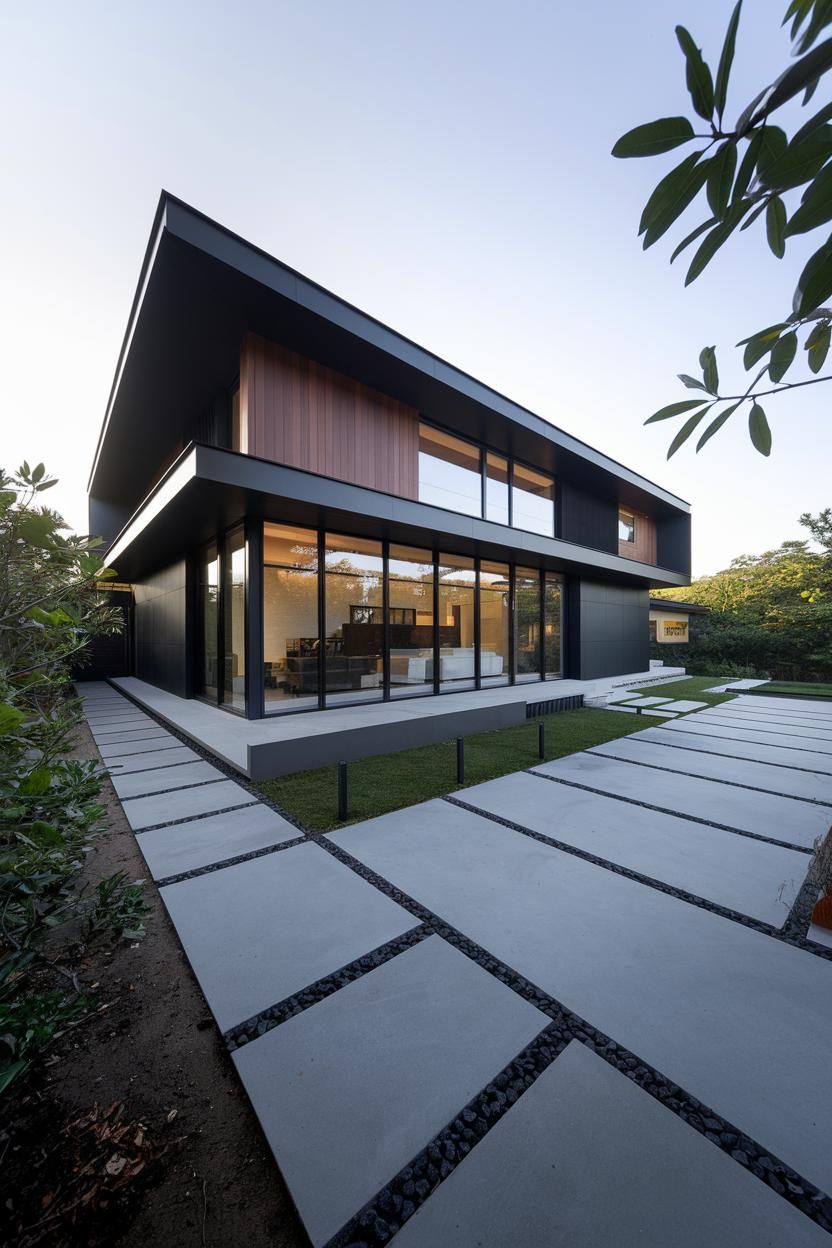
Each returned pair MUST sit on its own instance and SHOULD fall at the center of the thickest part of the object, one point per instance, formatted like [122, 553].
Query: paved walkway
[580, 1005]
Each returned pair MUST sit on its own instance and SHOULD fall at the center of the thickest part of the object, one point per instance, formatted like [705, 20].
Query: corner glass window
[290, 618]
[533, 501]
[496, 488]
[234, 616]
[626, 526]
[449, 472]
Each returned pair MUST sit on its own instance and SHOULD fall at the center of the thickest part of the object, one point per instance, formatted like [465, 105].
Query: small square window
[626, 526]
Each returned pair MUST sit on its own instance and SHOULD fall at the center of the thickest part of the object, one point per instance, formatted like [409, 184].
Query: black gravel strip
[734, 784]
[180, 788]
[267, 1019]
[203, 814]
[382, 1216]
[677, 744]
[664, 810]
[227, 862]
[792, 936]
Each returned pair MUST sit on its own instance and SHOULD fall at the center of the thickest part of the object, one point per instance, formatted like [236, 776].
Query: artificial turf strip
[693, 687]
[390, 781]
[796, 689]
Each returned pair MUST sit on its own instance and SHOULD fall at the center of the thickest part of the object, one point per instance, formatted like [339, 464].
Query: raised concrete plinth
[351, 1089]
[781, 818]
[739, 1019]
[587, 1159]
[262, 930]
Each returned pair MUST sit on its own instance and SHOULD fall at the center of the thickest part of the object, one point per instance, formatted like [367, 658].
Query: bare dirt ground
[198, 1171]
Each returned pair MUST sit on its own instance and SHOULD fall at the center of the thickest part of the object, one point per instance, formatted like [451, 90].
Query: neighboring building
[314, 511]
[674, 623]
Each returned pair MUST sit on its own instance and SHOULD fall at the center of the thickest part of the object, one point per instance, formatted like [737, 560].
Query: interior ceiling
[186, 347]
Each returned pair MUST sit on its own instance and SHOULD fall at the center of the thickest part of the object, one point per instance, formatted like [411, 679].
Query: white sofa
[415, 667]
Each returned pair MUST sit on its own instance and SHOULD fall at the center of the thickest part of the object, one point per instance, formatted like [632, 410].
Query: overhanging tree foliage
[751, 171]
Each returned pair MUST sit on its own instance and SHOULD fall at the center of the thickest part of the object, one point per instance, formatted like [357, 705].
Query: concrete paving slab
[260, 931]
[684, 704]
[794, 731]
[145, 812]
[130, 749]
[214, 838]
[730, 732]
[640, 700]
[124, 724]
[154, 758]
[737, 1018]
[814, 705]
[595, 1161]
[781, 818]
[759, 775]
[161, 779]
[135, 734]
[351, 1089]
[802, 725]
[753, 878]
[110, 710]
[779, 755]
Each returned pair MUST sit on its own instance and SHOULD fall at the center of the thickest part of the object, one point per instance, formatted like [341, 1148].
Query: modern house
[314, 511]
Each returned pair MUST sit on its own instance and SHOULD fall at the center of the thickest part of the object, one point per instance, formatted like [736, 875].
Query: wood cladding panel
[644, 547]
[305, 415]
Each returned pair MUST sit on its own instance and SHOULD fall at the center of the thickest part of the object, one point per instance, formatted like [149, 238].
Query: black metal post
[460, 760]
[541, 740]
[342, 791]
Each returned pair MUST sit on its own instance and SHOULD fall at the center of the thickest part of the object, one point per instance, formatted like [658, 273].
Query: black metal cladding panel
[614, 630]
[161, 634]
[673, 542]
[588, 519]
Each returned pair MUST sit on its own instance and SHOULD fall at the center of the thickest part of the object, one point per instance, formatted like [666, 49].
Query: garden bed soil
[145, 1085]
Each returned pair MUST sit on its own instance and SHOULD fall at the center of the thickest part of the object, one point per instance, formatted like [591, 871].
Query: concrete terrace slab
[260, 931]
[214, 838]
[146, 812]
[781, 818]
[778, 755]
[740, 1020]
[348, 1091]
[752, 878]
[595, 1161]
[116, 750]
[154, 758]
[684, 704]
[722, 730]
[759, 775]
[160, 779]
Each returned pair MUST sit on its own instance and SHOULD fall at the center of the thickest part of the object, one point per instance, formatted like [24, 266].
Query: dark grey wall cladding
[588, 519]
[161, 629]
[107, 519]
[673, 542]
[614, 633]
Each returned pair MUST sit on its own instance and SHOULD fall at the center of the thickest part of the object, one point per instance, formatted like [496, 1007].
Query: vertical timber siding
[644, 547]
[299, 413]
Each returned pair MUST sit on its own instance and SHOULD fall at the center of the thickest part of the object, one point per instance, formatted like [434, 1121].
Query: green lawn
[692, 687]
[389, 781]
[797, 688]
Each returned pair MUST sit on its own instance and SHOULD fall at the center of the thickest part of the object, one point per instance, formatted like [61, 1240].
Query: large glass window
[457, 581]
[410, 597]
[290, 618]
[354, 645]
[496, 488]
[494, 610]
[552, 626]
[234, 619]
[527, 624]
[532, 501]
[209, 598]
[449, 472]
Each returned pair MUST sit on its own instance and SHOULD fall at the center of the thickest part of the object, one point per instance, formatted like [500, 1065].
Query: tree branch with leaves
[750, 170]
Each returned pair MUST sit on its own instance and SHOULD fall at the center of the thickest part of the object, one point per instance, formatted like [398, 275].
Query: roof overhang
[207, 490]
[202, 287]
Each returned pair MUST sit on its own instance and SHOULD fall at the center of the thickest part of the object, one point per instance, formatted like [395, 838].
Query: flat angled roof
[192, 262]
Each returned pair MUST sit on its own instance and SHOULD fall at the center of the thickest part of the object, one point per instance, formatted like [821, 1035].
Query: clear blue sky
[444, 166]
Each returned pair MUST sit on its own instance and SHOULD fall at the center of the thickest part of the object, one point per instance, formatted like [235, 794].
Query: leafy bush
[49, 609]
